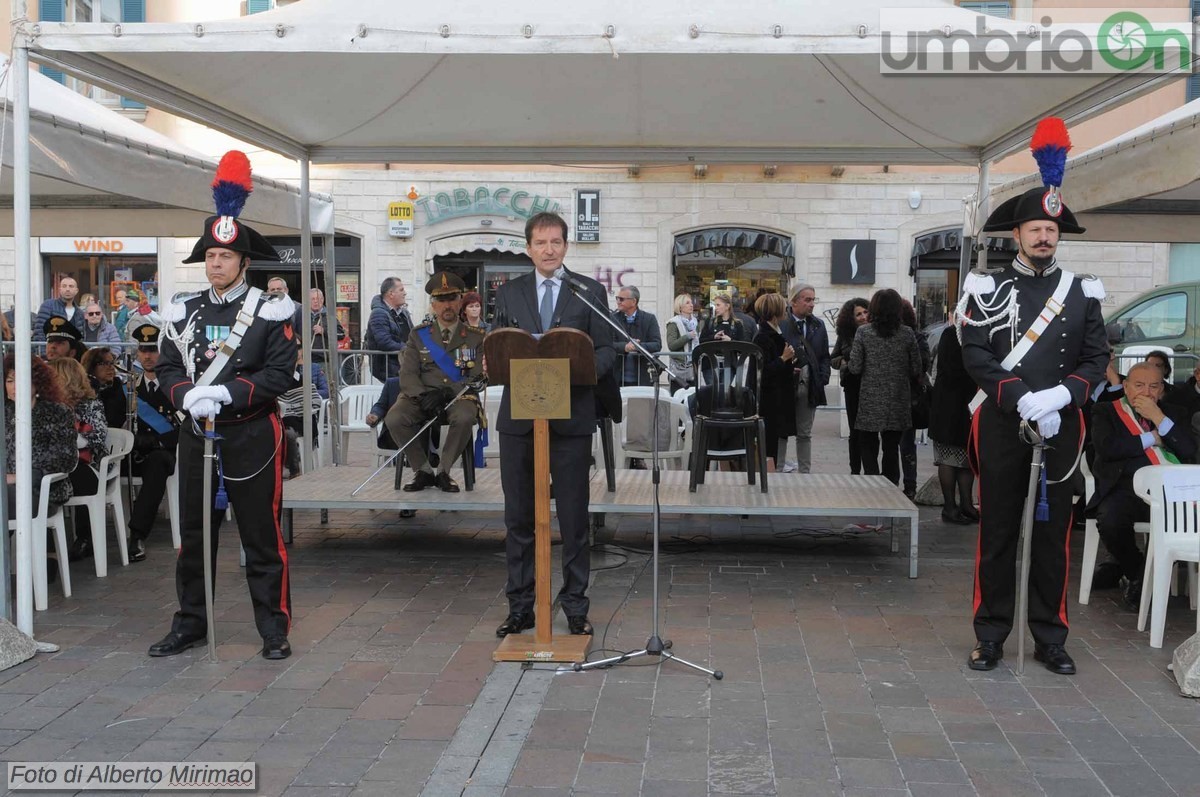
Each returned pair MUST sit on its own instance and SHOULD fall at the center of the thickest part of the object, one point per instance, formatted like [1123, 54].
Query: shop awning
[951, 239]
[472, 242]
[738, 237]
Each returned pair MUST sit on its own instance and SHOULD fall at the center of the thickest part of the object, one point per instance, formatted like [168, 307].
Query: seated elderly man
[1129, 434]
[439, 358]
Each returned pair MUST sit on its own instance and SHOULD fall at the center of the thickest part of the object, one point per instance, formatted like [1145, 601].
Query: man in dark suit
[642, 327]
[1129, 434]
[809, 339]
[538, 302]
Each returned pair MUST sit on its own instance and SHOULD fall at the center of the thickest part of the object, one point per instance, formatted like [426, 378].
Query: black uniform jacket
[147, 439]
[262, 368]
[1119, 451]
[1073, 350]
[517, 306]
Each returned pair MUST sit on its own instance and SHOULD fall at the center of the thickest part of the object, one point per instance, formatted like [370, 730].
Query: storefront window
[101, 276]
[738, 260]
[485, 272]
[345, 297]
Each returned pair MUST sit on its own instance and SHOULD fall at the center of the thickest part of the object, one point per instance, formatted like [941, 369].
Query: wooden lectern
[539, 374]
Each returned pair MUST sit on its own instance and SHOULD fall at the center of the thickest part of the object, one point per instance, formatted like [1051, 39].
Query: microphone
[574, 282]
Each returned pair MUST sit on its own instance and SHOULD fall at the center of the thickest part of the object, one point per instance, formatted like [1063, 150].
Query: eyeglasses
[94, 314]
[109, 363]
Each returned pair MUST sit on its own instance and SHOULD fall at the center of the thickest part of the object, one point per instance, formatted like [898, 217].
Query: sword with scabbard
[477, 385]
[210, 437]
[1035, 509]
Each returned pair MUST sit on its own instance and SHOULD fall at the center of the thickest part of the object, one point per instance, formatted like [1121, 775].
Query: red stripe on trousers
[978, 596]
[276, 504]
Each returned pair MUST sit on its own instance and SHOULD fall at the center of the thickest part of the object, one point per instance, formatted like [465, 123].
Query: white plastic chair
[313, 457]
[108, 492]
[1174, 536]
[356, 402]
[41, 521]
[1091, 535]
[678, 421]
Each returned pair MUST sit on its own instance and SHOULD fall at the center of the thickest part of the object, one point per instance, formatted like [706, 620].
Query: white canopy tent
[545, 81]
[1143, 185]
[597, 81]
[86, 161]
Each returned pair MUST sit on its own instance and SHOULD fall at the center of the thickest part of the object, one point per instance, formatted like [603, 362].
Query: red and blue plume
[232, 184]
[1050, 145]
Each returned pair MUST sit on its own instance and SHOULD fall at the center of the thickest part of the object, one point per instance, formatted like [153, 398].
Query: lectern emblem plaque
[540, 388]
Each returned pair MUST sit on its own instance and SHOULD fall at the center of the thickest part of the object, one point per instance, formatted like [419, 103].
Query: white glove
[204, 408]
[218, 394]
[1049, 425]
[1035, 406]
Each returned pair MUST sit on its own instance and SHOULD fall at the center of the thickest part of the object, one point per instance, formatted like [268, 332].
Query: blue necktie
[547, 307]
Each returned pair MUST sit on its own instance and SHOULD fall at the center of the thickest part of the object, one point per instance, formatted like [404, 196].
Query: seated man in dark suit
[1130, 434]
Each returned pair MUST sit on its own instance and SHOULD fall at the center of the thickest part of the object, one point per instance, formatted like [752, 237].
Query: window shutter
[133, 11]
[53, 11]
[993, 9]
[1193, 82]
[257, 6]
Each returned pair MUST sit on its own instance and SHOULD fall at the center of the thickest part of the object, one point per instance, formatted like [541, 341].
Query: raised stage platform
[723, 493]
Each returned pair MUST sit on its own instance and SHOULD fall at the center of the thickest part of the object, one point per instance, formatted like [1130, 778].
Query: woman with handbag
[682, 336]
[885, 355]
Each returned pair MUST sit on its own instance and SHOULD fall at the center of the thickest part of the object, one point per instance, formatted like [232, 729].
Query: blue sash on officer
[441, 357]
[152, 417]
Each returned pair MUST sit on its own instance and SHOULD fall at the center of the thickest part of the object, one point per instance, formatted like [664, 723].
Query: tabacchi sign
[1054, 42]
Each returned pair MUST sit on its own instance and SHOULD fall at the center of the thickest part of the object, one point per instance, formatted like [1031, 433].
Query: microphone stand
[655, 645]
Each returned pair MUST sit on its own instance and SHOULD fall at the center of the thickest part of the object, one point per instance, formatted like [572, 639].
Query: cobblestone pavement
[842, 676]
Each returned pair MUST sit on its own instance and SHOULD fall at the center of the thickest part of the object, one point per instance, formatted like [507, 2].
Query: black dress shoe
[137, 549]
[970, 513]
[446, 484]
[80, 549]
[1056, 659]
[276, 647]
[1107, 576]
[1133, 596]
[515, 624]
[175, 643]
[407, 513]
[578, 625]
[420, 482]
[986, 655]
[955, 517]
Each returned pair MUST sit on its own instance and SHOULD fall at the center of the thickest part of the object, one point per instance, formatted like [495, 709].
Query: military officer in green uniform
[439, 357]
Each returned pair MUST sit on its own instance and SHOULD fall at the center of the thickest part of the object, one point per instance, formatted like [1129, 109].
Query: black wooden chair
[726, 423]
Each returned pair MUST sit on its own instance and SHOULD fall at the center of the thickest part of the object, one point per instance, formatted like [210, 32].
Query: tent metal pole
[333, 366]
[973, 224]
[22, 334]
[305, 287]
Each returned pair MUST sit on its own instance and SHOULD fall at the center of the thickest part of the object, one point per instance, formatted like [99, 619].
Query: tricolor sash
[441, 357]
[1158, 455]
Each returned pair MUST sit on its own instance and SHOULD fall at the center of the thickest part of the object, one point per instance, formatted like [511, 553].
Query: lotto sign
[587, 215]
[400, 219]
